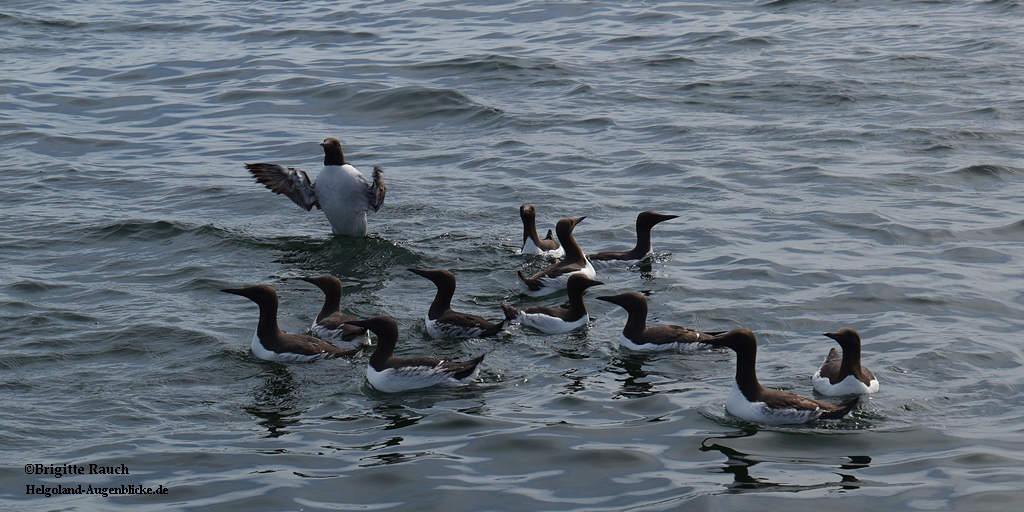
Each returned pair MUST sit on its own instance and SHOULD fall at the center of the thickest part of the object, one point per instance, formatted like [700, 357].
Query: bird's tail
[511, 313]
[842, 409]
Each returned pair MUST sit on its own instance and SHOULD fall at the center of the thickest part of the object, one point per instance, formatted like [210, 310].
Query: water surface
[833, 164]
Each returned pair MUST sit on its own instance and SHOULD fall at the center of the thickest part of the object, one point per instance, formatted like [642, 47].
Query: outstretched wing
[291, 182]
[378, 189]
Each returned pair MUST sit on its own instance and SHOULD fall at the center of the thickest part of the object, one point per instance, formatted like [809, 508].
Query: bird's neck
[746, 376]
[636, 323]
[385, 349]
[332, 304]
[442, 302]
[267, 325]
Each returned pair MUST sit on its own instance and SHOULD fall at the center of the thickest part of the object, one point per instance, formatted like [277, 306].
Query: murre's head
[383, 326]
[630, 301]
[740, 340]
[846, 337]
[259, 293]
[332, 152]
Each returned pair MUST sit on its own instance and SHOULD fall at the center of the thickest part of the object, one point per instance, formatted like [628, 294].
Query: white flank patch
[548, 324]
[531, 249]
[440, 330]
[413, 377]
[551, 285]
[848, 386]
[759, 412]
[654, 347]
[334, 336]
[267, 355]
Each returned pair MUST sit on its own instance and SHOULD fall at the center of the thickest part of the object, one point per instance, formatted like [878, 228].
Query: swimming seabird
[271, 344]
[751, 401]
[444, 322]
[844, 375]
[341, 191]
[637, 336]
[554, 320]
[391, 374]
[554, 277]
[644, 222]
[532, 243]
[330, 322]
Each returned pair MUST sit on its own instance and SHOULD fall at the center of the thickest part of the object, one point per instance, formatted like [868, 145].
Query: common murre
[842, 375]
[644, 222]
[637, 336]
[330, 324]
[751, 401]
[391, 374]
[444, 322]
[554, 277]
[532, 243]
[555, 320]
[272, 344]
[341, 191]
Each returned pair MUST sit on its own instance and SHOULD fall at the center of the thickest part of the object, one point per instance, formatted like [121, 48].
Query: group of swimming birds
[345, 196]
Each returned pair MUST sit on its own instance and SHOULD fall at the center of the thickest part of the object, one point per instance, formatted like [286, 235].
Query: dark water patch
[1011, 232]
[635, 40]
[585, 125]
[74, 148]
[782, 3]
[706, 39]
[668, 61]
[421, 104]
[36, 319]
[654, 17]
[274, 406]
[978, 255]
[884, 231]
[197, 75]
[35, 287]
[652, 169]
[43, 23]
[149, 28]
[366, 262]
[1004, 5]
[877, 297]
[580, 90]
[328, 38]
[753, 41]
[137, 230]
[986, 171]
[493, 65]
[679, 134]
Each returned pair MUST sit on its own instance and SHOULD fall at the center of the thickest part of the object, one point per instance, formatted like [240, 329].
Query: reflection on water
[573, 345]
[857, 462]
[739, 465]
[397, 416]
[366, 261]
[575, 384]
[385, 459]
[274, 402]
[634, 383]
